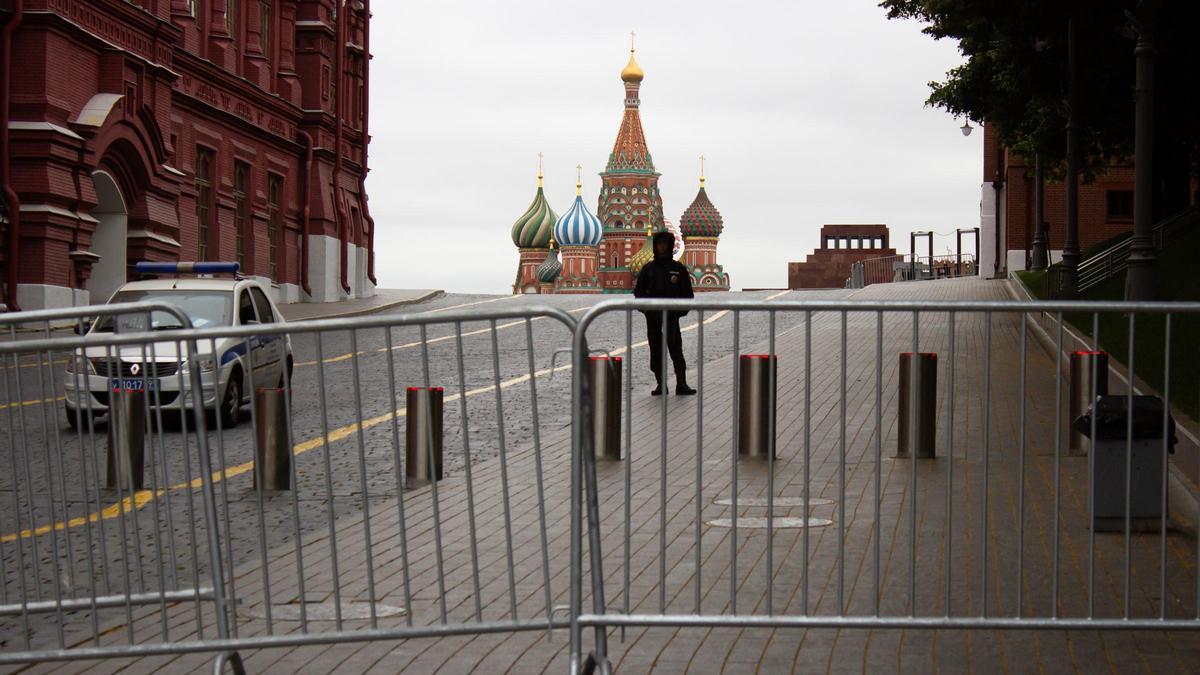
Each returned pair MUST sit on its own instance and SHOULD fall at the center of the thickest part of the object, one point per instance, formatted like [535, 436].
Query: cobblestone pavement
[820, 570]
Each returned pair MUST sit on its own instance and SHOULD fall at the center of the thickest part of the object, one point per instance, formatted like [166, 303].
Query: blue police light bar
[186, 268]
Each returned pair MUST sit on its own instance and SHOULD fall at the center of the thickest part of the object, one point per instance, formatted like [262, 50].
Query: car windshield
[204, 308]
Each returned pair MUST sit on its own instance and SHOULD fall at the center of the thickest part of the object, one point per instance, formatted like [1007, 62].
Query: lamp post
[1071, 255]
[1040, 258]
[1139, 276]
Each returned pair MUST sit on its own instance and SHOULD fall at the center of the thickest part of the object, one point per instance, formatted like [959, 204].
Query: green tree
[1014, 78]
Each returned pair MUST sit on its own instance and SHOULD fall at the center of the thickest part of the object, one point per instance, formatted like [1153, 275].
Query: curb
[372, 310]
[1183, 503]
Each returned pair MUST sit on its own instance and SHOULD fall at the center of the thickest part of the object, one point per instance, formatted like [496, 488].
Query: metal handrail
[1102, 266]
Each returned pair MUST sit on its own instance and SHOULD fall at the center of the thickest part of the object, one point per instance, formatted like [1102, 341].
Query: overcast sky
[809, 113]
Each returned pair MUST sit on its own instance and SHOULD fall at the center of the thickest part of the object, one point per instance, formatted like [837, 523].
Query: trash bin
[423, 423]
[1113, 449]
[1083, 366]
[606, 407]
[925, 372]
[756, 413]
[272, 456]
[126, 460]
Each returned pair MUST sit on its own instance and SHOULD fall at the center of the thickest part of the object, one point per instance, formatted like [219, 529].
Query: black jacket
[664, 277]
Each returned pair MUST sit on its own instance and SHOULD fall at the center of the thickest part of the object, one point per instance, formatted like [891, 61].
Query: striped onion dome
[550, 268]
[701, 218]
[578, 227]
[533, 228]
[643, 257]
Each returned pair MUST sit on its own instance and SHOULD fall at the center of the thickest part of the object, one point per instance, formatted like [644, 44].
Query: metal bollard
[1084, 393]
[272, 456]
[126, 439]
[606, 407]
[424, 421]
[925, 373]
[755, 412]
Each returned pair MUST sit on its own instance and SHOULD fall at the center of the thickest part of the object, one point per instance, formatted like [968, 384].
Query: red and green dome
[701, 218]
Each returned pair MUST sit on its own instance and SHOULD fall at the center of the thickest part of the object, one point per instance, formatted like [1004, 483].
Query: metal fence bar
[435, 501]
[333, 550]
[663, 350]
[807, 452]
[699, 456]
[735, 357]
[368, 558]
[878, 458]
[914, 416]
[1058, 366]
[1020, 589]
[398, 475]
[771, 406]
[537, 465]
[1166, 434]
[950, 400]
[1129, 465]
[987, 426]
[841, 582]
[627, 607]
[508, 537]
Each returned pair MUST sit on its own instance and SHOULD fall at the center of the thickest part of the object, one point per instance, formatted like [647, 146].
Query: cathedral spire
[630, 152]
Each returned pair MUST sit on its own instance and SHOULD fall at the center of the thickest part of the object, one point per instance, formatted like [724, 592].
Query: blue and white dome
[578, 227]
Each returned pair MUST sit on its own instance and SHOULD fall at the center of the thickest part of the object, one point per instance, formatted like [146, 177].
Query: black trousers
[654, 333]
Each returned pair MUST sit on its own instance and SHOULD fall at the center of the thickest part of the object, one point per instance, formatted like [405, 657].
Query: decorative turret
[630, 152]
[701, 218]
[550, 268]
[531, 234]
[578, 232]
[701, 225]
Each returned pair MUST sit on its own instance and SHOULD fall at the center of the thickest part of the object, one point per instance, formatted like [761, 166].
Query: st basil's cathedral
[603, 252]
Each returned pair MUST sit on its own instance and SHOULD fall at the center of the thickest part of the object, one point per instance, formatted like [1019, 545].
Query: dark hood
[663, 236]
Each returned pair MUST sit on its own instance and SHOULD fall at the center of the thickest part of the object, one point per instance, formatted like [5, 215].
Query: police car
[157, 370]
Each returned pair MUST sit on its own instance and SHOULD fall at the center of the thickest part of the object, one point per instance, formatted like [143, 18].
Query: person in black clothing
[664, 277]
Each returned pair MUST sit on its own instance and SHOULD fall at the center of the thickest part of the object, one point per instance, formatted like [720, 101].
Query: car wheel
[231, 404]
[74, 419]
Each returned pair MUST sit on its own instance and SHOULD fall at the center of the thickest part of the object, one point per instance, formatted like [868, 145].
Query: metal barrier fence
[832, 529]
[824, 529]
[198, 559]
[906, 267]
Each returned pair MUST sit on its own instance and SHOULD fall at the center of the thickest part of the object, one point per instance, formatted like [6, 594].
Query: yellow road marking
[36, 401]
[143, 497]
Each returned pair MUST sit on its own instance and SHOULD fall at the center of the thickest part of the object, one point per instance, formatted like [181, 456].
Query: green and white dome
[534, 228]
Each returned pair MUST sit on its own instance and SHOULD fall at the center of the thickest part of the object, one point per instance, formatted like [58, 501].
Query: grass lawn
[1178, 280]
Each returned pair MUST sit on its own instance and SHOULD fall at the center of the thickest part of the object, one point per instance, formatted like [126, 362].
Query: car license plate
[135, 384]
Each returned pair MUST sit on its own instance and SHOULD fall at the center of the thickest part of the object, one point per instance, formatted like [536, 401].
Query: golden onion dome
[632, 71]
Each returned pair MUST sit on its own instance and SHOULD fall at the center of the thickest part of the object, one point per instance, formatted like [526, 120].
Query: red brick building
[841, 247]
[184, 130]
[1105, 209]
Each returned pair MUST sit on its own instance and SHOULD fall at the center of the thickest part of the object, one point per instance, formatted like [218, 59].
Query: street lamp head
[966, 128]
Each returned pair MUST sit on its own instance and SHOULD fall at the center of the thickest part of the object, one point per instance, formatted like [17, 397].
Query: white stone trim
[17, 125]
[56, 210]
[161, 238]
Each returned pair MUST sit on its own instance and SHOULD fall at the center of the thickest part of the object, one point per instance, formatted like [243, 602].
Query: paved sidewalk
[819, 570]
[383, 300]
